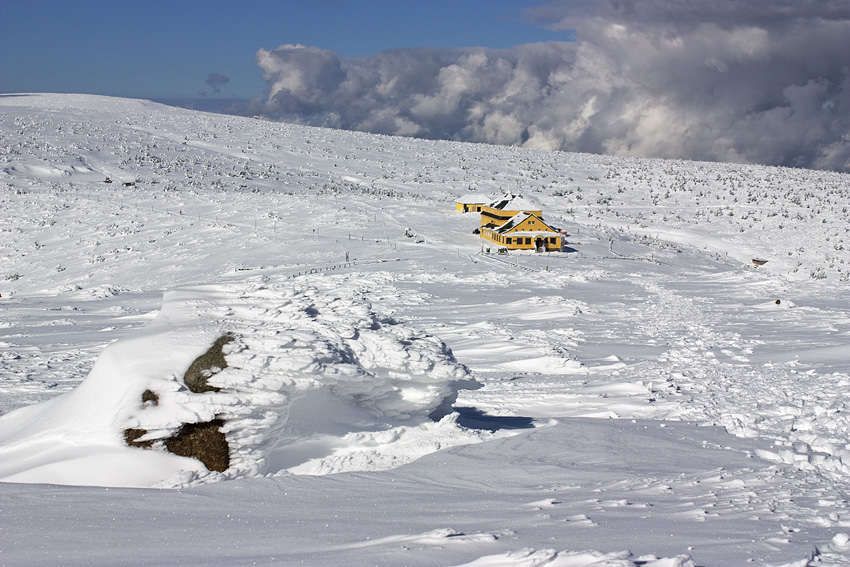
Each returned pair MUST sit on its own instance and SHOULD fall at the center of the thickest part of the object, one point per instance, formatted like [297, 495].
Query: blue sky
[157, 48]
[755, 81]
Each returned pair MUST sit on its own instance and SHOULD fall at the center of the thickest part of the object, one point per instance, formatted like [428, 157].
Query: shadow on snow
[474, 418]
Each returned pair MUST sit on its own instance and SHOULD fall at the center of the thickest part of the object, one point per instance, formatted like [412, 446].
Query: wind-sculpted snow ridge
[304, 378]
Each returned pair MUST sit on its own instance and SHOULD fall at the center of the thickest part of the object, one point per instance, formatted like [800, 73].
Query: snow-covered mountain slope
[329, 343]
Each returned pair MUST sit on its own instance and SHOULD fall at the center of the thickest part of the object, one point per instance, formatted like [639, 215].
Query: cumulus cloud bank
[761, 81]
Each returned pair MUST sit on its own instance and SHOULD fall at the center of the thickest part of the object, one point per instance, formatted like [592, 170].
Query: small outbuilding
[471, 202]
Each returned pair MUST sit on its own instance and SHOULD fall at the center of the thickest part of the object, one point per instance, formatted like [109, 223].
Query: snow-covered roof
[513, 203]
[517, 220]
[473, 199]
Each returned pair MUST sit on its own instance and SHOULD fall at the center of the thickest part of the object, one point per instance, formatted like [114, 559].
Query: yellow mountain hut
[524, 231]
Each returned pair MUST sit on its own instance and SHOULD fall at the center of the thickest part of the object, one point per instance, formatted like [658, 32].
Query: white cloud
[759, 81]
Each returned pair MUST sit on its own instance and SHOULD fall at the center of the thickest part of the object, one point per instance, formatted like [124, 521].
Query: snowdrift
[242, 380]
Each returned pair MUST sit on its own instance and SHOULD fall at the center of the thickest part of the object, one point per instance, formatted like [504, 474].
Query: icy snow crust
[650, 389]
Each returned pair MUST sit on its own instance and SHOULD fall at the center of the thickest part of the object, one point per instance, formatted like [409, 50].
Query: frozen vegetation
[219, 347]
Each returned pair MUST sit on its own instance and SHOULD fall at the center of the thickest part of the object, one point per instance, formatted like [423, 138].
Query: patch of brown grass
[210, 363]
[202, 441]
[150, 396]
[130, 436]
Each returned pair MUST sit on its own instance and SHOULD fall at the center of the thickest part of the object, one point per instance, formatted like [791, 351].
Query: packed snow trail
[675, 351]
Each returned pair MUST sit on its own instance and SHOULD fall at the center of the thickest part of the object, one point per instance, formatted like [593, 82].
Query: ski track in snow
[612, 375]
